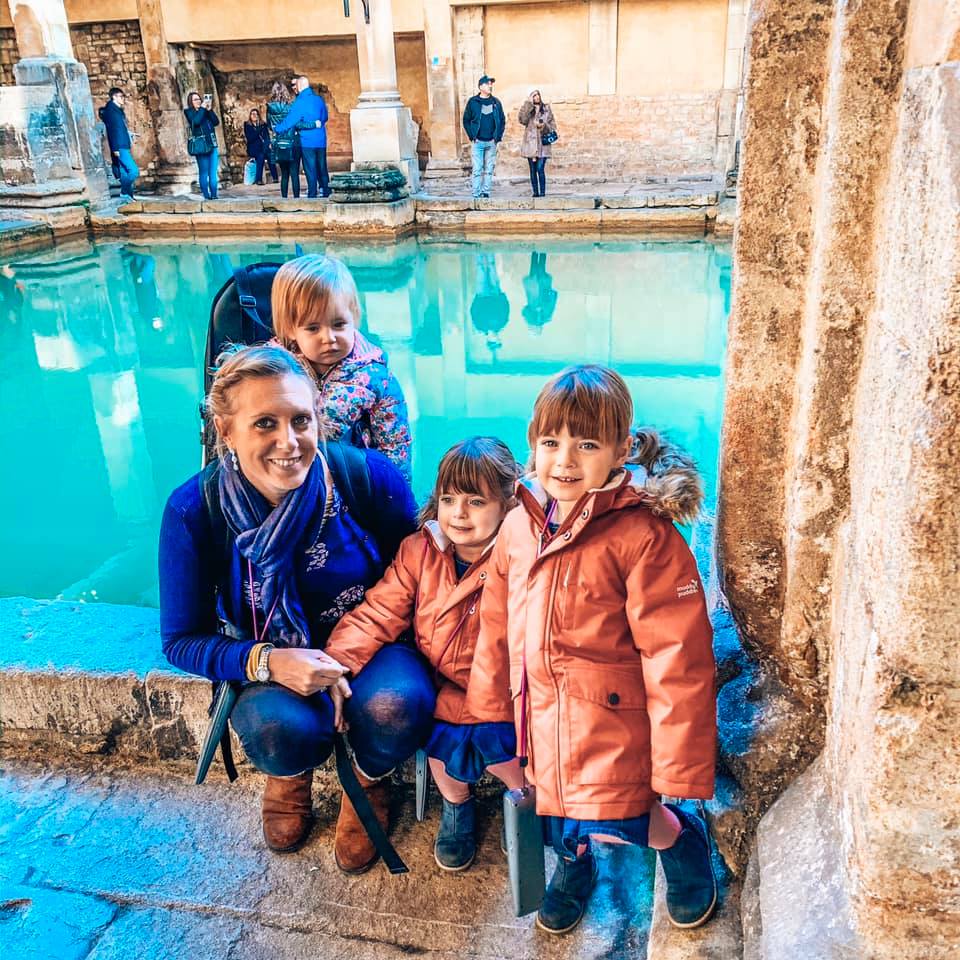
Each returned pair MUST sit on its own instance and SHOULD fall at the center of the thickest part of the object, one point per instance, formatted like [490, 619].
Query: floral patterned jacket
[364, 404]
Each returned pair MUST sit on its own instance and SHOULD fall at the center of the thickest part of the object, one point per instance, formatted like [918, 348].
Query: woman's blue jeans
[207, 166]
[538, 175]
[390, 716]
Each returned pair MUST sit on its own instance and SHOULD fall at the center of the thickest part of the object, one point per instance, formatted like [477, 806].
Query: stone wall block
[786, 73]
[894, 736]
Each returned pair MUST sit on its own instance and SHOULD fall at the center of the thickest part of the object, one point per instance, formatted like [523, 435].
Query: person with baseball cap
[484, 122]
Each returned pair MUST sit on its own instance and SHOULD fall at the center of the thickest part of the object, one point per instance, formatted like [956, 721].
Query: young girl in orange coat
[436, 585]
[594, 625]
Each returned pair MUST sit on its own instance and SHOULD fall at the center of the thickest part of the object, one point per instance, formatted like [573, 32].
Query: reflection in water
[541, 297]
[490, 308]
[104, 347]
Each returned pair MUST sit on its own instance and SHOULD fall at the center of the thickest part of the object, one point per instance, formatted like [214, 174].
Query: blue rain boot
[456, 844]
[691, 884]
[567, 894]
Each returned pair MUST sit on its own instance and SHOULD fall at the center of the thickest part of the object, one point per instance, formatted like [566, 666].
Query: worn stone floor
[98, 863]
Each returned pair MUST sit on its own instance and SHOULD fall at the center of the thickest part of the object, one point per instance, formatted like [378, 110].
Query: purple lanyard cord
[257, 634]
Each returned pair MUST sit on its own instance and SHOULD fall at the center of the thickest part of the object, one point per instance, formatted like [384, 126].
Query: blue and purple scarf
[271, 537]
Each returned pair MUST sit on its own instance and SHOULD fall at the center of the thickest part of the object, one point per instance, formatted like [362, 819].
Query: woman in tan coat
[537, 117]
[594, 625]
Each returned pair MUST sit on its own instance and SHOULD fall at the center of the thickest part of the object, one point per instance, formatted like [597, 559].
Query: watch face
[263, 673]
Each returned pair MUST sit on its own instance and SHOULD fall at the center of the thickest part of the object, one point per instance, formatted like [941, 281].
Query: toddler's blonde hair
[302, 289]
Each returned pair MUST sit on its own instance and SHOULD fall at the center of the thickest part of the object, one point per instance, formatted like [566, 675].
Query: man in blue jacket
[114, 119]
[484, 122]
[313, 140]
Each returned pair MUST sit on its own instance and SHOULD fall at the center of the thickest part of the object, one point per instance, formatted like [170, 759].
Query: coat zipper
[549, 668]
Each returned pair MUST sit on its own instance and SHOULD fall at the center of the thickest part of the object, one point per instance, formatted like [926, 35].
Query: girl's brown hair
[237, 364]
[303, 287]
[481, 465]
[589, 400]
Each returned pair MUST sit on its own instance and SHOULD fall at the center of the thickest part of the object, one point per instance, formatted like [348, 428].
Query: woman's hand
[304, 671]
[339, 692]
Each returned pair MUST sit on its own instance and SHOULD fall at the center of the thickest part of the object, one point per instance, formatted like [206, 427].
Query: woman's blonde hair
[280, 93]
[480, 465]
[589, 400]
[237, 364]
[303, 287]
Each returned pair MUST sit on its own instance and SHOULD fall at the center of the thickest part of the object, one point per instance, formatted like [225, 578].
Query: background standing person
[309, 107]
[203, 123]
[257, 135]
[114, 119]
[484, 122]
[537, 117]
[285, 147]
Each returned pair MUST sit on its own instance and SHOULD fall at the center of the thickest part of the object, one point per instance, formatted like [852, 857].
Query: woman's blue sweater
[332, 574]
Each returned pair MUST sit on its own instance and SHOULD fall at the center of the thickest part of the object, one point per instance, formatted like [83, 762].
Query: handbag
[524, 829]
[282, 148]
[551, 136]
[199, 144]
[249, 173]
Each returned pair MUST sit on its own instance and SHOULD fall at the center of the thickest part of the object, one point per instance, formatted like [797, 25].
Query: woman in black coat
[202, 141]
[258, 145]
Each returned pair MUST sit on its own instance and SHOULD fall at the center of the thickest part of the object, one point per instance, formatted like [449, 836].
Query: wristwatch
[263, 663]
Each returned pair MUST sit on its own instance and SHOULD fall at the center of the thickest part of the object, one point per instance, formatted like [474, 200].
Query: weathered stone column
[43, 39]
[176, 169]
[381, 127]
[731, 96]
[441, 90]
[604, 23]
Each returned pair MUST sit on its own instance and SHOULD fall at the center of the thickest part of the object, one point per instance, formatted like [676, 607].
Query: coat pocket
[604, 709]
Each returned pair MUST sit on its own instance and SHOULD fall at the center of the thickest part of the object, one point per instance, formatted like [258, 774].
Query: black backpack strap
[210, 492]
[252, 319]
[348, 465]
[361, 804]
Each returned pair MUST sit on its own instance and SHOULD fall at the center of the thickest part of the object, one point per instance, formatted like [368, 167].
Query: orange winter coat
[612, 620]
[420, 589]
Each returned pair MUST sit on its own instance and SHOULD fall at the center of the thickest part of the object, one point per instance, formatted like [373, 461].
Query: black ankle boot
[691, 885]
[456, 844]
[567, 894]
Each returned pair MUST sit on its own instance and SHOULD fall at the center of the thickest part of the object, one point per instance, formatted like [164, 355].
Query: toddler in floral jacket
[315, 314]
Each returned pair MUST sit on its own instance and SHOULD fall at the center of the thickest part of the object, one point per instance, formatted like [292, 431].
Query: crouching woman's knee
[282, 733]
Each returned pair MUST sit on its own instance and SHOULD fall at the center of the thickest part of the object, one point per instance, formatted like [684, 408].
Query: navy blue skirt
[467, 749]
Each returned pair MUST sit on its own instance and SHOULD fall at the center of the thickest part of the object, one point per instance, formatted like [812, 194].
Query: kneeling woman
[262, 604]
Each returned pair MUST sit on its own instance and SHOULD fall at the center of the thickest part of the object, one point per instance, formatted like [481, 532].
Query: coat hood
[665, 477]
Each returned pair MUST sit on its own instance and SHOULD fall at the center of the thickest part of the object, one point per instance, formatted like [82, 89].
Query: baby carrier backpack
[240, 313]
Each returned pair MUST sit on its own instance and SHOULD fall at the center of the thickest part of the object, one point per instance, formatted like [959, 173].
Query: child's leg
[456, 845]
[688, 868]
[454, 791]
[664, 829]
[570, 886]
[509, 773]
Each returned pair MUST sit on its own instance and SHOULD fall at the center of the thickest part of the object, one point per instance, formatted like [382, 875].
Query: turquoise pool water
[104, 350]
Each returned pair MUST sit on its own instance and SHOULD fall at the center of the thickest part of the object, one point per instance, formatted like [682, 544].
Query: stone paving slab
[144, 861]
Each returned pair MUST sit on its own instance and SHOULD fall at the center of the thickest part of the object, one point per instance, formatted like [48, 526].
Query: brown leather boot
[352, 848]
[287, 812]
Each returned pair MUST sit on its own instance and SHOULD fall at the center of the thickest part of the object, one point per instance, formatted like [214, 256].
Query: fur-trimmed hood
[665, 478]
